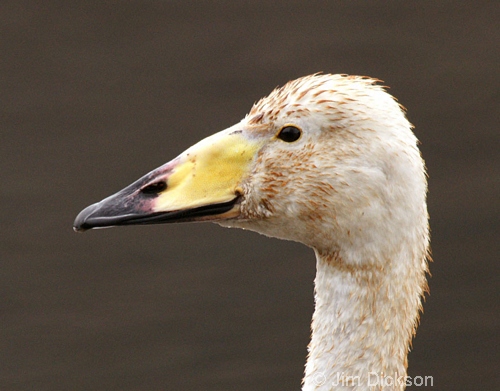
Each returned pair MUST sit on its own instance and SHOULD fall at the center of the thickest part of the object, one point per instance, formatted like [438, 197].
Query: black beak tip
[81, 222]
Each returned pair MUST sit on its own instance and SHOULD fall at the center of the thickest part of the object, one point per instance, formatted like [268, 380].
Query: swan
[329, 161]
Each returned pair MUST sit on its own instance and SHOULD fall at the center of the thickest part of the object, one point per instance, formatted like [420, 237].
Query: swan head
[327, 160]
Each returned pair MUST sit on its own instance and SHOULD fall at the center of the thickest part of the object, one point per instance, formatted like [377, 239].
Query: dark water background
[96, 93]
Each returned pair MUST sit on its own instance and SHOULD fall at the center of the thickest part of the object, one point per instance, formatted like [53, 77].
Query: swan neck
[364, 319]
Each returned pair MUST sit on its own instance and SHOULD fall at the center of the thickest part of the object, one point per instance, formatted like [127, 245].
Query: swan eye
[289, 134]
[154, 188]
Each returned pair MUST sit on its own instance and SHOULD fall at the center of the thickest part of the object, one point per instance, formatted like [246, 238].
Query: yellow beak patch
[209, 172]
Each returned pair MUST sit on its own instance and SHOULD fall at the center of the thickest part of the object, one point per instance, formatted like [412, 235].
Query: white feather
[353, 188]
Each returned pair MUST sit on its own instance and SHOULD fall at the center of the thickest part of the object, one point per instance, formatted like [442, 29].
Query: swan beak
[202, 184]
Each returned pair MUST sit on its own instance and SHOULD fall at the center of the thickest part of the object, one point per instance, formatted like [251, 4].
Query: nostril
[154, 188]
